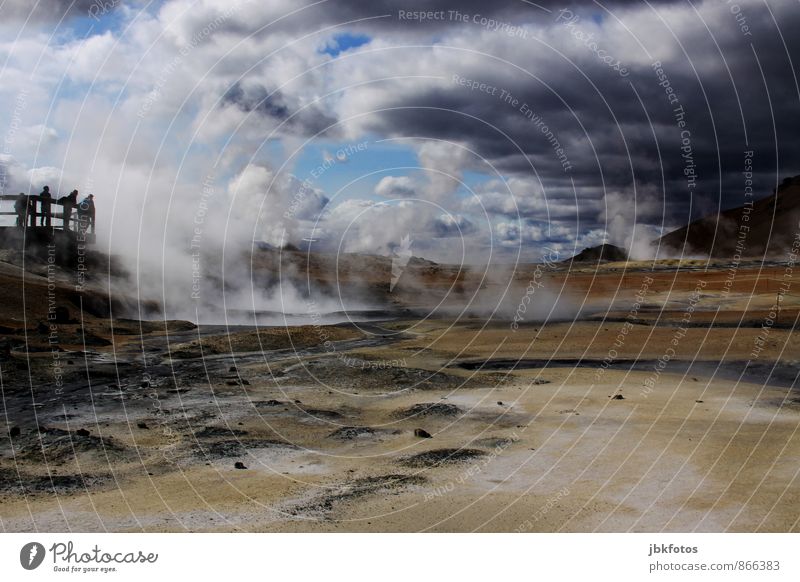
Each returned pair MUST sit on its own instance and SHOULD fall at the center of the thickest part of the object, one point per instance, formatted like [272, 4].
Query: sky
[500, 132]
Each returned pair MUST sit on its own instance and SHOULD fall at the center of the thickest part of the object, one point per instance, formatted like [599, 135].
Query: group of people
[25, 207]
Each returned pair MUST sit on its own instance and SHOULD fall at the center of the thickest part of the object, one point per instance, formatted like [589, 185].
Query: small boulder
[422, 433]
[239, 465]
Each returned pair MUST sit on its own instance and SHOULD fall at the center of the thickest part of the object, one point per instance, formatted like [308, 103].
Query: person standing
[69, 202]
[46, 200]
[21, 208]
[86, 213]
[32, 210]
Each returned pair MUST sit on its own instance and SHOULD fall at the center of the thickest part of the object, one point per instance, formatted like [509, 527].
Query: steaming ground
[455, 410]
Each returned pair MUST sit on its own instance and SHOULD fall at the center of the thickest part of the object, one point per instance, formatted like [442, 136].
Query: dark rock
[618, 397]
[142, 425]
[82, 432]
[422, 433]
[239, 465]
[499, 403]
[14, 432]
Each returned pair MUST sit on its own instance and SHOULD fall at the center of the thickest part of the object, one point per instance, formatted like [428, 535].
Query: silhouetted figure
[45, 199]
[69, 202]
[21, 208]
[31, 210]
[86, 214]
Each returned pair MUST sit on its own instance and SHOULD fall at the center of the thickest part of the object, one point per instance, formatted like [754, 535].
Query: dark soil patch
[12, 482]
[218, 431]
[348, 433]
[358, 488]
[494, 442]
[336, 374]
[237, 448]
[55, 445]
[430, 409]
[439, 457]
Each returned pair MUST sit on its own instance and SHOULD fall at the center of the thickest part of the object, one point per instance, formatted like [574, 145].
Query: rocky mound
[600, 254]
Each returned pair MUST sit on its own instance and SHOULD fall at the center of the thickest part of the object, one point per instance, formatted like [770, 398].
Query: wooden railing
[34, 212]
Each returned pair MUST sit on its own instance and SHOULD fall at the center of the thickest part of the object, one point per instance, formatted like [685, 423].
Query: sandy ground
[528, 429]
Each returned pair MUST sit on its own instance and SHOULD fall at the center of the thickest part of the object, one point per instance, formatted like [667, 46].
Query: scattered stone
[618, 397]
[699, 401]
[239, 465]
[499, 403]
[422, 433]
[82, 432]
[142, 425]
[540, 381]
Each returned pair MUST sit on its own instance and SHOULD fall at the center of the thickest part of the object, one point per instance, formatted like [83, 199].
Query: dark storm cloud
[606, 131]
[54, 10]
[257, 99]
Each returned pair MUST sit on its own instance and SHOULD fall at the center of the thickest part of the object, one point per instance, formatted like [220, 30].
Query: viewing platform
[68, 231]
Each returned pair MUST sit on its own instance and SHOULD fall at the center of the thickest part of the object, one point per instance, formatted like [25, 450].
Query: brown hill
[764, 229]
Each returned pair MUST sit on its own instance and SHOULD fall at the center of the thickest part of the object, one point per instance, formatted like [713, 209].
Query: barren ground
[529, 432]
